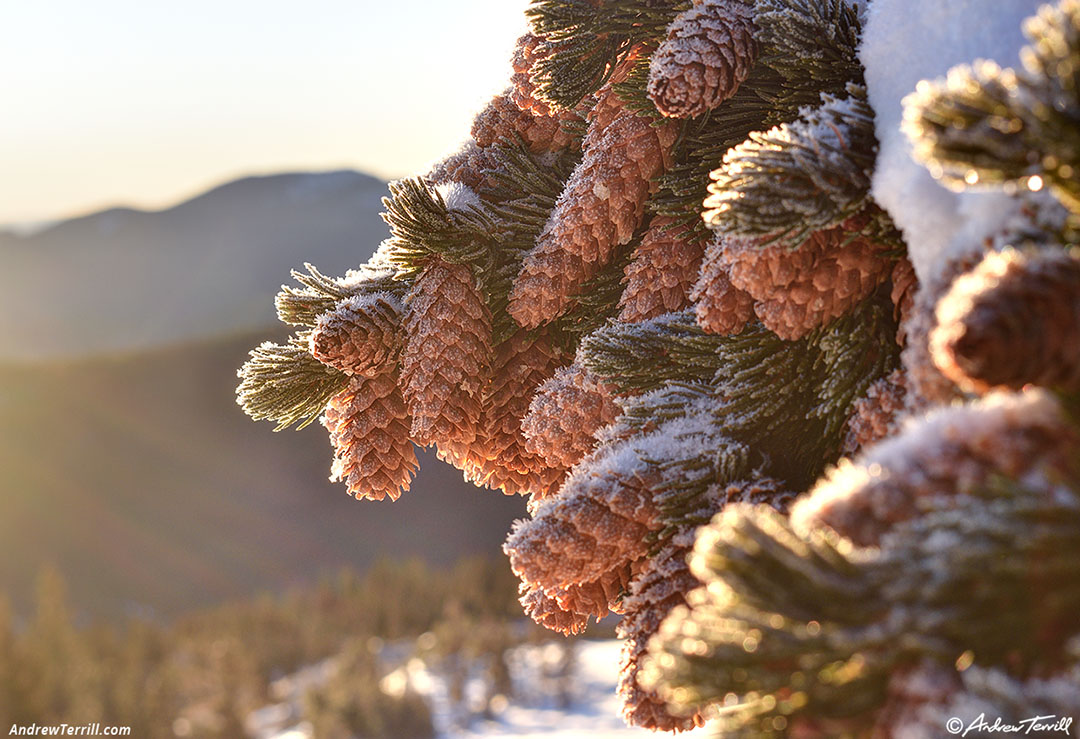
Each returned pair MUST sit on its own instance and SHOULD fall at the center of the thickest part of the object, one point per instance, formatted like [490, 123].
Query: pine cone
[663, 270]
[660, 586]
[721, 307]
[499, 457]
[877, 414]
[503, 120]
[904, 286]
[600, 208]
[709, 51]
[360, 336]
[952, 452]
[1013, 320]
[564, 416]
[446, 358]
[756, 491]
[546, 611]
[470, 166]
[597, 523]
[369, 430]
[798, 290]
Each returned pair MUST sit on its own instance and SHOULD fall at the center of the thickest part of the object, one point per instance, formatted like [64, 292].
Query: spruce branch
[286, 384]
[800, 177]
[319, 294]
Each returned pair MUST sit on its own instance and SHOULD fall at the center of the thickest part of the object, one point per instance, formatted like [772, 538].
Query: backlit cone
[361, 336]
[719, 306]
[369, 430]
[600, 208]
[662, 272]
[709, 51]
[499, 457]
[1013, 320]
[446, 358]
[503, 120]
[876, 415]
[564, 416]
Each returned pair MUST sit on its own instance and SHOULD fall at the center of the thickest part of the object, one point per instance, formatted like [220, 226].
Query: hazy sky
[145, 103]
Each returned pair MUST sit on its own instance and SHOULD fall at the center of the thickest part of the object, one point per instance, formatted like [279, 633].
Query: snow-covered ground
[553, 698]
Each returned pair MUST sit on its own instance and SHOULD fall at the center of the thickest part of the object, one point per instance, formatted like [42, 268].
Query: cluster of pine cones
[524, 416]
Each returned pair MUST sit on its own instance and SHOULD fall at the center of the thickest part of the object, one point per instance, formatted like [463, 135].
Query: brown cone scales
[709, 51]
[470, 166]
[597, 523]
[369, 430]
[546, 611]
[1013, 320]
[600, 208]
[721, 308]
[360, 336]
[662, 585]
[876, 415]
[798, 290]
[499, 457]
[446, 358]
[904, 286]
[565, 414]
[502, 120]
[664, 268]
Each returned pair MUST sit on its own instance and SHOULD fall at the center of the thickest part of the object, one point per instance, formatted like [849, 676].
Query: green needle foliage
[805, 623]
[586, 39]
[286, 384]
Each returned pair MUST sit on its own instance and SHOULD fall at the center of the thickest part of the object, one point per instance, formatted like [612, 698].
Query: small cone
[596, 524]
[564, 416]
[663, 270]
[662, 585]
[360, 336]
[503, 120]
[709, 51]
[904, 286]
[721, 308]
[600, 208]
[1013, 320]
[876, 415]
[798, 290]
[446, 358]
[546, 611]
[369, 430]
[470, 166]
[500, 458]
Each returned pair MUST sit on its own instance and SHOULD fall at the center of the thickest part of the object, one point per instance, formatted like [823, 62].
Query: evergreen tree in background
[654, 293]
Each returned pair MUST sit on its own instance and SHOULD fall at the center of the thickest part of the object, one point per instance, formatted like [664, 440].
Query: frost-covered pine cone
[1013, 320]
[877, 414]
[600, 209]
[470, 166]
[798, 290]
[951, 452]
[499, 457]
[546, 611]
[446, 358]
[361, 336]
[905, 284]
[709, 51]
[597, 523]
[502, 120]
[564, 416]
[720, 307]
[660, 586]
[663, 270]
[369, 430]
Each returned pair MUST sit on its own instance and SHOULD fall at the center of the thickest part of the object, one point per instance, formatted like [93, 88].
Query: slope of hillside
[143, 481]
[125, 279]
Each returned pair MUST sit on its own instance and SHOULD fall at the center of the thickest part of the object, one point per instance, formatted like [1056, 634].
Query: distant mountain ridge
[126, 280]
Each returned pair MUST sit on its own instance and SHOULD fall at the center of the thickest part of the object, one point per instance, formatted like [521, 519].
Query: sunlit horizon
[124, 104]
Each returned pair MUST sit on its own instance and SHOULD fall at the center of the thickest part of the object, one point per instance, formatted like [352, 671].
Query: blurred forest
[205, 673]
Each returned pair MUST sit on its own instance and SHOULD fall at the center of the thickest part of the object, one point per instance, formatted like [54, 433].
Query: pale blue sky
[144, 103]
